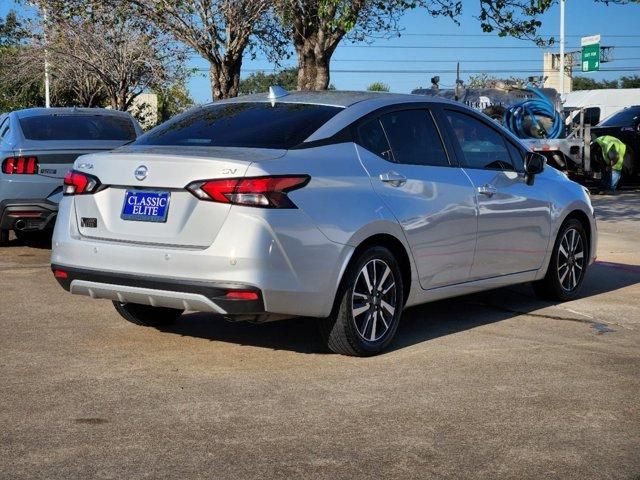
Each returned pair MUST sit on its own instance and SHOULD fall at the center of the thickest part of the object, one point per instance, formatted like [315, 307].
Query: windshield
[253, 125]
[623, 118]
[78, 127]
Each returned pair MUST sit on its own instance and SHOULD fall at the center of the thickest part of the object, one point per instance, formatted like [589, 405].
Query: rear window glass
[77, 127]
[254, 125]
[624, 118]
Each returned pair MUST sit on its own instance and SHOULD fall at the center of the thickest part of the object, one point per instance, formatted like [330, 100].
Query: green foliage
[173, 100]
[630, 82]
[13, 95]
[260, 82]
[378, 87]
[586, 83]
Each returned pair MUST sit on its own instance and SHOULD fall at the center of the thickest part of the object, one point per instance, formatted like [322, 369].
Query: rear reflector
[78, 183]
[20, 166]
[60, 274]
[265, 192]
[241, 295]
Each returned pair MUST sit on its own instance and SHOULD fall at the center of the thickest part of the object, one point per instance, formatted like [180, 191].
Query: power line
[501, 60]
[485, 35]
[476, 47]
[621, 69]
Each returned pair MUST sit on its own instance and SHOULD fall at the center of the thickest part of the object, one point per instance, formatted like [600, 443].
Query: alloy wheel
[570, 260]
[374, 300]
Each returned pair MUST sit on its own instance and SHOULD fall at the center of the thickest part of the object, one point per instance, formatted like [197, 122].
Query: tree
[316, 27]
[630, 82]
[378, 87]
[106, 53]
[173, 100]
[483, 80]
[585, 83]
[14, 94]
[219, 30]
[260, 82]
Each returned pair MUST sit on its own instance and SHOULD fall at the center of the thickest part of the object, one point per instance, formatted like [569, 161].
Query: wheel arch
[396, 247]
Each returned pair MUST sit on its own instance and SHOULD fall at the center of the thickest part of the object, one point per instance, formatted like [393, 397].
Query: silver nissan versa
[344, 206]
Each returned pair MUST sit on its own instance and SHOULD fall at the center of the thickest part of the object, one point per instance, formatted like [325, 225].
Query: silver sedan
[345, 206]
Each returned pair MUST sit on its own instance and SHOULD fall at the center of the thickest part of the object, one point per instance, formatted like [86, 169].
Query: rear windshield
[254, 125]
[623, 118]
[77, 127]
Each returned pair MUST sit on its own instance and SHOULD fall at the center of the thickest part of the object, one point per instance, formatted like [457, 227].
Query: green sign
[590, 53]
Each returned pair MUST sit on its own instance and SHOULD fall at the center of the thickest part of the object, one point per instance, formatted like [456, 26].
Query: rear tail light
[265, 192]
[78, 183]
[20, 166]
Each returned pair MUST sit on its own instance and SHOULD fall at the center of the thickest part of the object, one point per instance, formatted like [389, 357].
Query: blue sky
[441, 43]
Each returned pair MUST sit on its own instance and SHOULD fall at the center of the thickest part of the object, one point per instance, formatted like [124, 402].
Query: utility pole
[47, 89]
[562, 49]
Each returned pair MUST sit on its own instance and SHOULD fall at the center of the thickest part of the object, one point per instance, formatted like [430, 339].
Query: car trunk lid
[160, 173]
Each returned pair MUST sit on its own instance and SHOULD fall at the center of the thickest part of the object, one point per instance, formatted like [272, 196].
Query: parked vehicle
[625, 126]
[344, 206]
[38, 147]
[599, 104]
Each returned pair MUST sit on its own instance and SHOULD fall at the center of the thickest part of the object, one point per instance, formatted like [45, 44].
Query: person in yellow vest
[613, 151]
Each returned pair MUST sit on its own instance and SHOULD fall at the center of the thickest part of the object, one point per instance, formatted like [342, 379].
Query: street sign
[590, 53]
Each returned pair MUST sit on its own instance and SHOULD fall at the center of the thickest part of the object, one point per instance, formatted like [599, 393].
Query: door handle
[393, 178]
[488, 190]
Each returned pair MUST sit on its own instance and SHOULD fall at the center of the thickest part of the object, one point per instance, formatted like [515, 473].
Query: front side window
[77, 127]
[252, 125]
[414, 138]
[481, 146]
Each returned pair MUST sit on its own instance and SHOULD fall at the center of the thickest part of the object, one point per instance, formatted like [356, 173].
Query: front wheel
[568, 264]
[368, 306]
[147, 315]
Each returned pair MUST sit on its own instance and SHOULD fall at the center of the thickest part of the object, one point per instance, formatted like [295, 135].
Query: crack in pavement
[600, 326]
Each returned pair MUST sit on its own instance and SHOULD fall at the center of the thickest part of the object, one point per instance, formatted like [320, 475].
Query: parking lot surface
[493, 385]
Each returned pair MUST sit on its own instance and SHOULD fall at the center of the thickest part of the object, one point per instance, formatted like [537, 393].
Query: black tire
[147, 315]
[359, 334]
[566, 272]
[4, 238]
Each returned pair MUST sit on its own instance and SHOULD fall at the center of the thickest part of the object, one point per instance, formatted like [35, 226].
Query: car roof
[35, 112]
[335, 98]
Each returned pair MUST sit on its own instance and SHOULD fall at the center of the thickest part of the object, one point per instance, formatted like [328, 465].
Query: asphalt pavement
[496, 385]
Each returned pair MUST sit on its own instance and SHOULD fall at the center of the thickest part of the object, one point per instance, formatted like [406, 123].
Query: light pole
[562, 49]
[47, 90]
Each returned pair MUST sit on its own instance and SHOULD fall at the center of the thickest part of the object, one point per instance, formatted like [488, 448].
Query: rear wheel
[368, 305]
[147, 315]
[568, 264]
[4, 238]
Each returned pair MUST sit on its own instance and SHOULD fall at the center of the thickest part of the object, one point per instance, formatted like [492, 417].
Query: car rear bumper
[163, 292]
[27, 214]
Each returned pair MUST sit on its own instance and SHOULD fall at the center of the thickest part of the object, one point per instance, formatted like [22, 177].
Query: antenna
[276, 91]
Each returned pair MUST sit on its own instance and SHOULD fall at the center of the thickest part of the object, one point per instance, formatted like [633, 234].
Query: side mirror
[533, 165]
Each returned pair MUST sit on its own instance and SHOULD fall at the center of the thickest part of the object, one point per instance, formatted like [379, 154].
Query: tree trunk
[313, 66]
[225, 78]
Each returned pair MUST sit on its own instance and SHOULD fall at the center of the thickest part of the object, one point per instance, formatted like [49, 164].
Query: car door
[432, 199]
[514, 218]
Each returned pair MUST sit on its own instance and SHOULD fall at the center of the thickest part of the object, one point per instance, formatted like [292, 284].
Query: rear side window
[77, 127]
[414, 138]
[481, 146]
[372, 137]
[254, 125]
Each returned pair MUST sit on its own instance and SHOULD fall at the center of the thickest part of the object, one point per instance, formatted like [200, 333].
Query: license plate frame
[146, 210]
